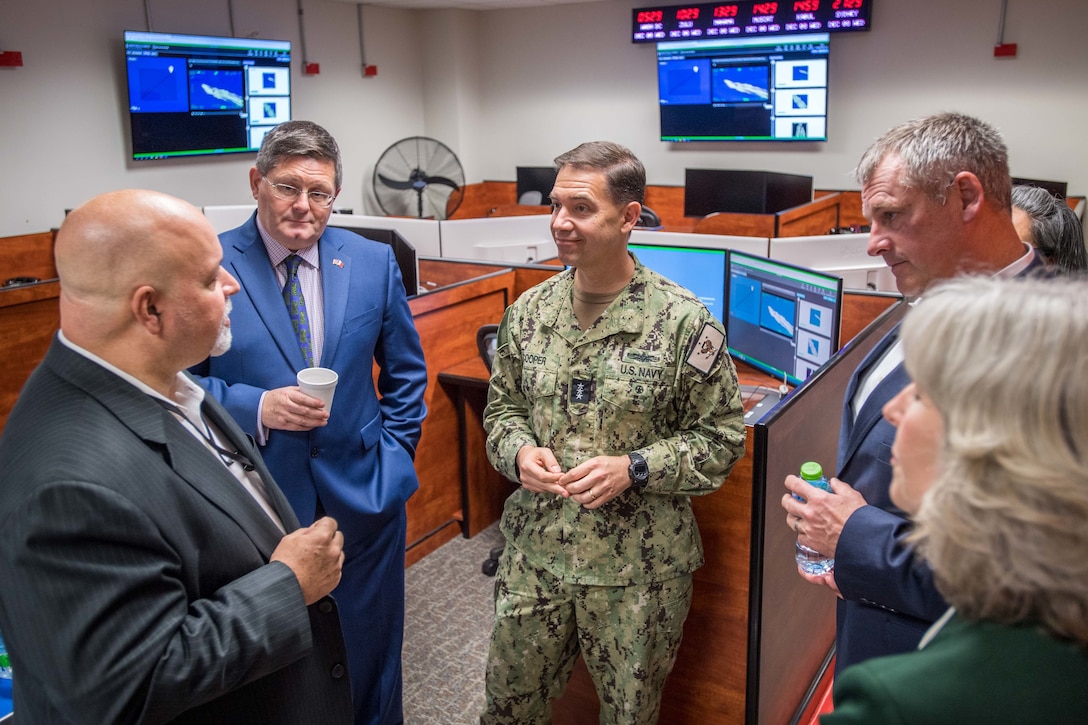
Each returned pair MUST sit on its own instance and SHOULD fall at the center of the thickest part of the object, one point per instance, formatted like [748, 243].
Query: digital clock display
[709, 21]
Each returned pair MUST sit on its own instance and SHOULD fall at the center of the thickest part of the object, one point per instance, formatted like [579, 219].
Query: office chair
[648, 218]
[485, 343]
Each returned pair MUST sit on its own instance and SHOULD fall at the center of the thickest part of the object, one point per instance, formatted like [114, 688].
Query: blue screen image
[742, 84]
[684, 81]
[216, 90]
[157, 85]
[702, 271]
[777, 314]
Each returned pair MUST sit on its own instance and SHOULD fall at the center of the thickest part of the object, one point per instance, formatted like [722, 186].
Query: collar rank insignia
[706, 349]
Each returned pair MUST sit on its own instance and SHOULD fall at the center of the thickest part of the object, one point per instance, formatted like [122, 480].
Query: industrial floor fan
[419, 176]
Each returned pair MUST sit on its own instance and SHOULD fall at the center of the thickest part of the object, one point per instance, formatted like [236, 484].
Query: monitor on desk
[707, 191]
[700, 270]
[534, 183]
[781, 319]
[404, 252]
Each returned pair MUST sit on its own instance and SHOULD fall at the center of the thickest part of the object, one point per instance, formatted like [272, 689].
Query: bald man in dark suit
[151, 569]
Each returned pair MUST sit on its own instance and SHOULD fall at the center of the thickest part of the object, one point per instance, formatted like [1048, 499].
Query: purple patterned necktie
[296, 306]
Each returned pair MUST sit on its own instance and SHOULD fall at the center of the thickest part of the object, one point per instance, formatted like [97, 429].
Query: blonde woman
[991, 459]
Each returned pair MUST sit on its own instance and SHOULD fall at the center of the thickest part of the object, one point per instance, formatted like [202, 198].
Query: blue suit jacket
[360, 464]
[889, 599]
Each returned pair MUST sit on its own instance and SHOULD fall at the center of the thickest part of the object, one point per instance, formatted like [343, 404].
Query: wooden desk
[483, 490]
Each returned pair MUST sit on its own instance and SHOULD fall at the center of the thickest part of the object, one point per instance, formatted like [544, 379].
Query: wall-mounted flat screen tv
[193, 95]
[763, 88]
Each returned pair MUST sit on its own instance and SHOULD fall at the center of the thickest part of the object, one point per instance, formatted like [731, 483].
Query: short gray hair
[292, 139]
[935, 148]
[1003, 526]
[625, 174]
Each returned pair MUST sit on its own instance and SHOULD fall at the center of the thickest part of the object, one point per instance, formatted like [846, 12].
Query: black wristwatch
[639, 471]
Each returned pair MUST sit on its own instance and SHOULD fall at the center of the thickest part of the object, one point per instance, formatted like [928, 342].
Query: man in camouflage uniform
[612, 402]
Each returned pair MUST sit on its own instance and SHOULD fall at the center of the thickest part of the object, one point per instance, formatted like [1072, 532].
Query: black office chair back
[485, 343]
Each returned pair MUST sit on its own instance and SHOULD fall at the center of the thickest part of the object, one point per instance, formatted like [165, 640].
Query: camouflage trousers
[628, 637]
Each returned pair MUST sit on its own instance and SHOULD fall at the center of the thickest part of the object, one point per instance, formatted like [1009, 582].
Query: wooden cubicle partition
[828, 210]
[479, 199]
[29, 312]
[467, 295]
[732, 224]
[849, 207]
[758, 637]
[29, 317]
[27, 255]
[519, 210]
[819, 216]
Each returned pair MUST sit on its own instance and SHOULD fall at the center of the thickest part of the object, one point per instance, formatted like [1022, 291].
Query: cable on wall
[368, 70]
[307, 67]
[1001, 48]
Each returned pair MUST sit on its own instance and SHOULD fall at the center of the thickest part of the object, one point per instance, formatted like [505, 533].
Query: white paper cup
[320, 383]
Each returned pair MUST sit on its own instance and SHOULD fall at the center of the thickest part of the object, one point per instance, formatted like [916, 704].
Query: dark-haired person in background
[1049, 224]
[613, 401]
[992, 464]
[151, 570]
[356, 464]
[937, 193]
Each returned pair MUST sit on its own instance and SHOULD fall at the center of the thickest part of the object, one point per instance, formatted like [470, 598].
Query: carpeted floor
[448, 612]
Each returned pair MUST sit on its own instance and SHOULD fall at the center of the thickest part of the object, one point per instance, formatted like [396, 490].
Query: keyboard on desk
[758, 400]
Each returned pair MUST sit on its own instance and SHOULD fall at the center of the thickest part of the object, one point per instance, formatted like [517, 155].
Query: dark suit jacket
[135, 582]
[889, 598]
[970, 673]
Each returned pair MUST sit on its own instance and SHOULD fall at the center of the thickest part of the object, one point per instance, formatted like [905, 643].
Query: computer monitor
[1057, 188]
[192, 95]
[781, 318]
[700, 270]
[762, 88]
[404, 252]
[537, 179]
[707, 191]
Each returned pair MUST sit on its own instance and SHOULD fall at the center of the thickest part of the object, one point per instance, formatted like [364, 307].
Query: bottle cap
[812, 471]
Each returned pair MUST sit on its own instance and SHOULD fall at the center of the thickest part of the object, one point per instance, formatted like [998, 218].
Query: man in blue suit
[937, 193]
[317, 296]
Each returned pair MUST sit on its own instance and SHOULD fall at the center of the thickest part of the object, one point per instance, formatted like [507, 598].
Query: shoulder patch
[706, 349]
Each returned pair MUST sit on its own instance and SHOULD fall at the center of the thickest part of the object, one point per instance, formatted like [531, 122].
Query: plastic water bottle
[5, 671]
[810, 560]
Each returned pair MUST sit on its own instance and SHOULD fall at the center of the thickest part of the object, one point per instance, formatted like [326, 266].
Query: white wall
[64, 114]
[516, 87]
[569, 86]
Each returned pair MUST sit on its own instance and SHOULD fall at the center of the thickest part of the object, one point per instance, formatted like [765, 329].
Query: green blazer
[969, 673]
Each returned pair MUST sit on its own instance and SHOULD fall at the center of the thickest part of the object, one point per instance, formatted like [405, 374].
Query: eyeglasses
[291, 193]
